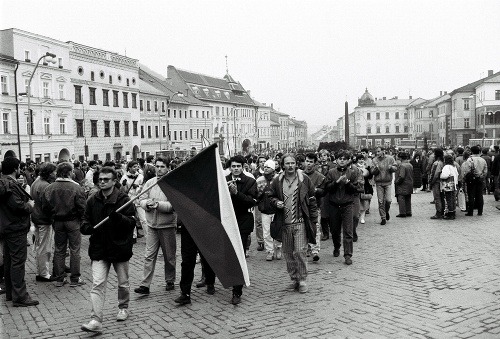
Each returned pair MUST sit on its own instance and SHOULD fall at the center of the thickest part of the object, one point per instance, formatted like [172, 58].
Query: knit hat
[270, 163]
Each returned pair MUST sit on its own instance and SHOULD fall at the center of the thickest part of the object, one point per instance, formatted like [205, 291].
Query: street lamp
[169, 100]
[49, 57]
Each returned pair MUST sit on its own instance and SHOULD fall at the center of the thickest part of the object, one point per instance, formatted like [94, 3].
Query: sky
[305, 57]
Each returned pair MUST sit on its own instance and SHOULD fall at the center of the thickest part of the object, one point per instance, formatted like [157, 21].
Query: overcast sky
[306, 57]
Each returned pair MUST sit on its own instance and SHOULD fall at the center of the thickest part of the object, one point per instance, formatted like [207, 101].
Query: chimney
[445, 92]
[272, 106]
[383, 98]
[248, 92]
[411, 97]
[440, 93]
[490, 72]
[396, 97]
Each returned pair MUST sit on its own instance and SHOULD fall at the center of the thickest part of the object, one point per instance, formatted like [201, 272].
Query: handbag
[448, 185]
[365, 196]
[461, 200]
[276, 232]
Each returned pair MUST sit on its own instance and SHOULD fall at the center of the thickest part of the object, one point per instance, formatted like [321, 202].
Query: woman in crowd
[435, 182]
[449, 184]
[417, 171]
[403, 184]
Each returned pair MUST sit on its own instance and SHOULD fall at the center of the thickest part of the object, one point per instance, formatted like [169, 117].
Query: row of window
[32, 128]
[80, 128]
[102, 76]
[175, 115]
[177, 135]
[387, 116]
[387, 129]
[105, 97]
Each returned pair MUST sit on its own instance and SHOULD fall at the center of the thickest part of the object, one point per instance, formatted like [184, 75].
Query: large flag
[199, 194]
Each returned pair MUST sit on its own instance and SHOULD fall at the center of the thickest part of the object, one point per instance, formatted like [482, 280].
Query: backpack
[149, 172]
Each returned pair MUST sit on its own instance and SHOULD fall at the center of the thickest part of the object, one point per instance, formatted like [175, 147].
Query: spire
[227, 69]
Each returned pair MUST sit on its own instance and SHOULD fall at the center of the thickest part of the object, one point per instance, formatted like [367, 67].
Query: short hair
[131, 164]
[287, 155]
[92, 163]
[382, 148]
[236, 158]
[485, 150]
[403, 155]
[150, 158]
[9, 165]
[448, 159]
[475, 149]
[64, 169]
[76, 164]
[312, 156]
[438, 153]
[460, 150]
[163, 160]
[46, 169]
[261, 157]
[364, 150]
[108, 169]
[344, 154]
[324, 151]
[109, 163]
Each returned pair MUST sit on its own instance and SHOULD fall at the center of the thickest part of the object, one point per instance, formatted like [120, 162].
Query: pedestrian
[382, 168]
[416, 163]
[243, 190]
[296, 217]
[44, 233]
[435, 182]
[15, 208]
[403, 185]
[64, 201]
[267, 210]
[343, 184]
[474, 171]
[259, 233]
[324, 165]
[109, 244]
[132, 183]
[162, 227]
[367, 194]
[449, 184]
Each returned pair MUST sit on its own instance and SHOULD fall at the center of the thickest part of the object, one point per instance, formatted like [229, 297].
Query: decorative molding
[26, 73]
[46, 76]
[61, 79]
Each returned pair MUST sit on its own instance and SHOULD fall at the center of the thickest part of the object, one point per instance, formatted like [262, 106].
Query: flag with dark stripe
[199, 194]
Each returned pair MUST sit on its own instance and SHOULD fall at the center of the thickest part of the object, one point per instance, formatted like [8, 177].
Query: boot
[324, 229]
[387, 207]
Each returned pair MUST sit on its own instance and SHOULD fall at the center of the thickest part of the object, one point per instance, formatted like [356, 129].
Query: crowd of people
[293, 202]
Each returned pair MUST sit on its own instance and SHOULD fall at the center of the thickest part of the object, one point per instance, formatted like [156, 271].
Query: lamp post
[169, 100]
[49, 57]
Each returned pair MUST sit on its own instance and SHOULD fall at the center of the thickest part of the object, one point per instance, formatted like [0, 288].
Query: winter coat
[113, 240]
[243, 200]
[64, 200]
[317, 180]
[403, 181]
[38, 217]
[14, 208]
[382, 169]
[162, 217]
[307, 207]
[264, 191]
[417, 172]
[344, 193]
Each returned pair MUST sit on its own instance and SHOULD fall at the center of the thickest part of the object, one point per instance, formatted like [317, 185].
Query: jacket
[64, 200]
[382, 169]
[14, 208]
[317, 181]
[307, 207]
[243, 200]
[162, 217]
[344, 193]
[38, 217]
[403, 180]
[264, 191]
[113, 240]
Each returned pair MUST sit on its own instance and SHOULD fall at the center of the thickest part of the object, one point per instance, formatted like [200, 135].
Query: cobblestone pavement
[412, 278]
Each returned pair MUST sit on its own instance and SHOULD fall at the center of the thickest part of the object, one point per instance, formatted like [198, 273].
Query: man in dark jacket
[403, 185]
[296, 216]
[15, 208]
[44, 233]
[243, 191]
[343, 184]
[64, 201]
[110, 244]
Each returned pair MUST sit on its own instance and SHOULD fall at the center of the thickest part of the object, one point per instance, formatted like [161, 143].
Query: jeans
[341, 219]
[44, 238]
[269, 243]
[100, 272]
[156, 238]
[438, 198]
[404, 202]
[315, 248]
[141, 215]
[259, 232]
[15, 253]
[294, 250]
[383, 196]
[475, 193]
[64, 232]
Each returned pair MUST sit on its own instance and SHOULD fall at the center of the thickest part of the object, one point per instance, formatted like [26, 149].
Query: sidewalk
[413, 277]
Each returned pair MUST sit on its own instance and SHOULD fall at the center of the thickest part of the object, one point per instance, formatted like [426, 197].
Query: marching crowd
[292, 201]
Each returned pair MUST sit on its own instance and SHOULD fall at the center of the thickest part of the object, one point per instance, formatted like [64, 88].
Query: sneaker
[43, 279]
[354, 238]
[316, 257]
[387, 216]
[293, 286]
[367, 212]
[302, 287]
[362, 221]
[383, 222]
[348, 261]
[434, 217]
[183, 299]
[236, 299]
[279, 253]
[61, 283]
[122, 314]
[260, 247]
[142, 290]
[270, 256]
[211, 289]
[93, 326]
[336, 252]
[26, 303]
[77, 283]
[308, 252]
[401, 216]
[170, 286]
[201, 283]
[246, 254]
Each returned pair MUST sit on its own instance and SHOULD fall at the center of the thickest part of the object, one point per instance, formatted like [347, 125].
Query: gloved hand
[124, 182]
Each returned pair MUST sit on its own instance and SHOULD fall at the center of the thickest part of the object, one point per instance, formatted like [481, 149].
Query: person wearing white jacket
[162, 222]
[449, 185]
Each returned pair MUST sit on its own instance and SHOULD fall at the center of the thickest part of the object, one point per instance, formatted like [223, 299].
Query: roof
[436, 101]
[209, 88]
[472, 86]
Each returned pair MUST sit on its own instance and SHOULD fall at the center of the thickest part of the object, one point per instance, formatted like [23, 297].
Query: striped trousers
[294, 250]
